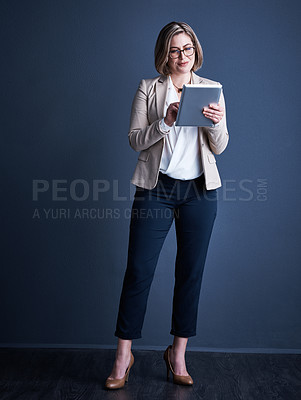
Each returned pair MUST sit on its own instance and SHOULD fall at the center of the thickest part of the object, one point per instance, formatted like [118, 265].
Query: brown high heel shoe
[178, 379]
[119, 383]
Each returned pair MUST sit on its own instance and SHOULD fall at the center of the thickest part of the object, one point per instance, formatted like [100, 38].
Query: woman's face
[183, 64]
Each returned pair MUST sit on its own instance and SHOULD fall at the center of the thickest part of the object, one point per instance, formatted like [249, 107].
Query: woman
[176, 179]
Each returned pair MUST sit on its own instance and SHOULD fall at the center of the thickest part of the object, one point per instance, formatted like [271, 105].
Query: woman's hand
[171, 113]
[215, 112]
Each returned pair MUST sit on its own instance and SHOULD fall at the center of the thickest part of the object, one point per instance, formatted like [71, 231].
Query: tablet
[194, 98]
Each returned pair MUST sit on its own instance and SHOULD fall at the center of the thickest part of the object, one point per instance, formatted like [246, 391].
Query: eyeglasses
[188, 52]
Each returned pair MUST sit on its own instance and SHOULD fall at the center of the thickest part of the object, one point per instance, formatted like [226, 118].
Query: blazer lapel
[161, 89]
[195, 79]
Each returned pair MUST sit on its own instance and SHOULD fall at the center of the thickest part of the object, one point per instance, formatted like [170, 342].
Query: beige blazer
[146, 137]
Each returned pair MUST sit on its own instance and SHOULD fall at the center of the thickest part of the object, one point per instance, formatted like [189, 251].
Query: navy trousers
[193, 208]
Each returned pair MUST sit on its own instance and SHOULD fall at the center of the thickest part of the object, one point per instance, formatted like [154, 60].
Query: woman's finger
[214, 111]
[214, 116]
[215, 106]
[174, 105]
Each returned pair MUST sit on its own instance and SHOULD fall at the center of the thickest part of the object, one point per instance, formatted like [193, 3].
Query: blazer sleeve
[142, 133]
[218, 136]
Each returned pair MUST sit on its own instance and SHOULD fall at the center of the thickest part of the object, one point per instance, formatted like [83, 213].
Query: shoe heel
[126, 378]
[167, 366]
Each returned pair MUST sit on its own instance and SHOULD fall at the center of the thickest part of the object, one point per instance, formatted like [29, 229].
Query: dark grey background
[69, 72]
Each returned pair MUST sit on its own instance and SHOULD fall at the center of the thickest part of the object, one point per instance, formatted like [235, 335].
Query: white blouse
[181, 158]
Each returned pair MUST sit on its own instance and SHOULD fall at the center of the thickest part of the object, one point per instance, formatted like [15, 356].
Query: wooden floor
[79, 374]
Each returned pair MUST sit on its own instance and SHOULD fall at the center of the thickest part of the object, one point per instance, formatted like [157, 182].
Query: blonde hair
[162, 47]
